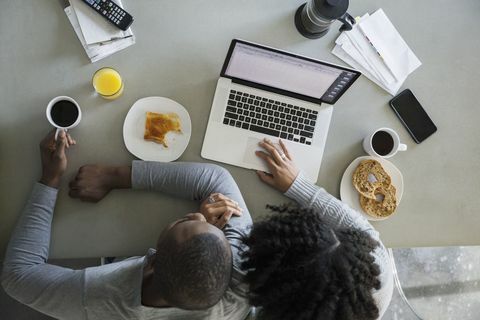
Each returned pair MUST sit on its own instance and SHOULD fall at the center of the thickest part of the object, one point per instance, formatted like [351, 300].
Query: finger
[265, 177]
[70, 141]
[83, 195]
[223, 220]
[285, 150]
[74, 193]
[268, 145]
[61, 144]
[271, 164]
[211, 198]
[49, 139]
[72, 184]
[220, 196]
[225, 203]
[218, 211]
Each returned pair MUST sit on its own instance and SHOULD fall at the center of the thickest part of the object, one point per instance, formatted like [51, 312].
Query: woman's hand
[54, 158]
[280, 164]
[218, 209]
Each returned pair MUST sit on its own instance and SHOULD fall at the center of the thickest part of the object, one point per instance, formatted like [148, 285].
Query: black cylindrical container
[313, 19]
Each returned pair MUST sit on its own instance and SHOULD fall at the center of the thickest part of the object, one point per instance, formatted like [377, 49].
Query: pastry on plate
[158, 125]
[383, 205]
[368, 176]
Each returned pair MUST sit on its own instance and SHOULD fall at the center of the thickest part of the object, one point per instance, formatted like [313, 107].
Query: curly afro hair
[298, 267]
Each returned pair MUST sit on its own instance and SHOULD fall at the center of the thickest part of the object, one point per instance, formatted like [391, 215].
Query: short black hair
[299, 267]
[195, 274]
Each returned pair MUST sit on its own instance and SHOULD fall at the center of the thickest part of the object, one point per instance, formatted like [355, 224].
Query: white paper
[340, 53]
[357, 38]
[94, 27]
[356, 48]
[346, 45]
[96, 52]
[396, 54]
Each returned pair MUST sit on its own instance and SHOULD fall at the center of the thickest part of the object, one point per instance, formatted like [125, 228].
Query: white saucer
[134, 128]
[350, 195]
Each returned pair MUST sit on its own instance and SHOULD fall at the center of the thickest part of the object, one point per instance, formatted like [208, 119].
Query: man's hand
[93, 182]
[279, 163]
[218, 209]
[54, 159]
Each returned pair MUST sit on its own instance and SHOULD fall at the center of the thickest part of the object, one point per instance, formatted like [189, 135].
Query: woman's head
[301, 268]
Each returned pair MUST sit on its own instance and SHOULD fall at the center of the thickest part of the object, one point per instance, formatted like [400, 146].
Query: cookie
[383, 205]
[368, 176]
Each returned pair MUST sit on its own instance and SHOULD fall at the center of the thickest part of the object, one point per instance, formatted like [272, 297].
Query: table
[180, 48]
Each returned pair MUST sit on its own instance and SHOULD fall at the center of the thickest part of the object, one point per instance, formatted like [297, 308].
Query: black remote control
[112, 12]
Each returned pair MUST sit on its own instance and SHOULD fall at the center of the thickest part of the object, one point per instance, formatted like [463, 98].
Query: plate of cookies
[373, 186]
[157, 129]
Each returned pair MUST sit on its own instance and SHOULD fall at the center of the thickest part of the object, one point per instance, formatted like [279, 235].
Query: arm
[332, 210]
[26, 276]
[286, 178]
[193, 181]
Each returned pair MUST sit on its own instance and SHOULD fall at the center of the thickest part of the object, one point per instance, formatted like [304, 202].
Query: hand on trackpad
[251, 159]
[279, 159]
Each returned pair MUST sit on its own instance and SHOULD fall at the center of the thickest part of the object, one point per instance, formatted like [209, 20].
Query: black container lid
[332, 9]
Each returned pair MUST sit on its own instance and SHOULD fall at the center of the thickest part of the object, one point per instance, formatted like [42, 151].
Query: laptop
[269, 93]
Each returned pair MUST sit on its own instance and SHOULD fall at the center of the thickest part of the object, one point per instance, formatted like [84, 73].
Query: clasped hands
[93, 182]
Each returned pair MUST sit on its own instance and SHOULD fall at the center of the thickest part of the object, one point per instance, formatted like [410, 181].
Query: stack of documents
[375, 48]
[99, 38]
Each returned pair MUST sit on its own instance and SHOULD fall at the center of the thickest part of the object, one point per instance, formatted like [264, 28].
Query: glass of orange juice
[108, 83]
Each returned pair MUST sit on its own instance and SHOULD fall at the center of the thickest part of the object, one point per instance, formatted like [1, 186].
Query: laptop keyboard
[274, 118]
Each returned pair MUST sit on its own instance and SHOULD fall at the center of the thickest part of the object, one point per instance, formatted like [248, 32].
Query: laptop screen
[287, 73]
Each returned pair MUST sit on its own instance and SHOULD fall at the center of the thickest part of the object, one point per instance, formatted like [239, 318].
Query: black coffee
[382, 143]
[64, 113]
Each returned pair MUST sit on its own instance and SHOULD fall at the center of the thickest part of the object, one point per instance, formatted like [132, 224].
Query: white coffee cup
[66, 126]
[382, 146]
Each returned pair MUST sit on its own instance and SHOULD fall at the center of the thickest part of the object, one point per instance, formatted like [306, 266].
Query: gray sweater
[113, 291]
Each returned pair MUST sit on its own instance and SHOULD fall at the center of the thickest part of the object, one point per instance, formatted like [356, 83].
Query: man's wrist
[121, 177]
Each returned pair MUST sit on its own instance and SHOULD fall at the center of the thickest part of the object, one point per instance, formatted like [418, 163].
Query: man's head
[193, 263]
[299, 267]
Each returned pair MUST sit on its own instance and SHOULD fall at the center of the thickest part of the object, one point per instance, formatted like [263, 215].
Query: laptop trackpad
[251, 159]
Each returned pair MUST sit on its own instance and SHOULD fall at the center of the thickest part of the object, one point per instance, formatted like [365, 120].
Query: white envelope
[342, 54]
[398, 57]
[375, 62]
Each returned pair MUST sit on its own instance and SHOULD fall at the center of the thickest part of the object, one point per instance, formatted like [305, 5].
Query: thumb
[61, 143]
[265, 178]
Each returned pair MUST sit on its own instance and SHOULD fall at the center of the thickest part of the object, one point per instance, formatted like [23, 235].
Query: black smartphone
[413, 116]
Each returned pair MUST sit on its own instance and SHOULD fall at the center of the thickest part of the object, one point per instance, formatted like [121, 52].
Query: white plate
[134, 128]
[350, 195]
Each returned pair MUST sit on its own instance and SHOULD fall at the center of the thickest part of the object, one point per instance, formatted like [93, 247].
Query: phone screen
[413, 116]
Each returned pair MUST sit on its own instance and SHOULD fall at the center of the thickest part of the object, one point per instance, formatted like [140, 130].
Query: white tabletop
[180, 48]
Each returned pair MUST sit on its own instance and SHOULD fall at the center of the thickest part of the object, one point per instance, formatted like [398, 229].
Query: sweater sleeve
[332, 210]
[26, 276]
[339, 214]
[193, 181]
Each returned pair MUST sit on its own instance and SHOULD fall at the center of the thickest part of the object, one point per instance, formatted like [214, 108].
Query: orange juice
[108, 83]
